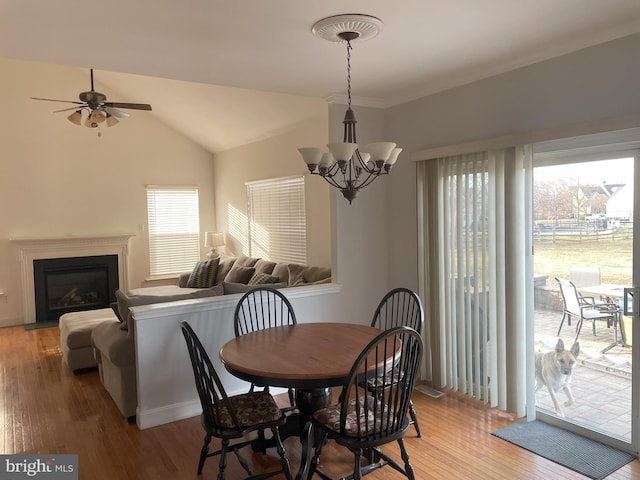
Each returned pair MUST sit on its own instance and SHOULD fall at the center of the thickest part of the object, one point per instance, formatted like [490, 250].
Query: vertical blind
[474, 269]
[174, 229]
[466, 248]
[277, 227]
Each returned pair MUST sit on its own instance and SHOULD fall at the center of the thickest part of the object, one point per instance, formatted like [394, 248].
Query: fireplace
[63, 285]
[63, 248]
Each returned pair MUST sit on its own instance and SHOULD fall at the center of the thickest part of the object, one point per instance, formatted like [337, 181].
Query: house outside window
[174, 229]
[277, 228]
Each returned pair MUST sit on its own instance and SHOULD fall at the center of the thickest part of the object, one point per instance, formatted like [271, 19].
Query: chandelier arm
[332, 171]
[332, 182]
[367, 181]
[372, 171]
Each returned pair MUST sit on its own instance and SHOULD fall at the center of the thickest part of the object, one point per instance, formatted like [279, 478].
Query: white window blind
[174, 229]
[277, 221]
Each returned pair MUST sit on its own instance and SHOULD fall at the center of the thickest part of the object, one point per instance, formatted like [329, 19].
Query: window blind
[476, 268]
[277, 227]
[174, 229]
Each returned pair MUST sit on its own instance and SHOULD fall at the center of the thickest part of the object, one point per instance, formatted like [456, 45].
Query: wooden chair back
[397, 351]
[213, 397]
[260, 308]
[399, 307]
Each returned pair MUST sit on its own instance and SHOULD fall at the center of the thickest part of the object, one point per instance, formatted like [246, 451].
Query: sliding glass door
[499, 232]
[584, 242]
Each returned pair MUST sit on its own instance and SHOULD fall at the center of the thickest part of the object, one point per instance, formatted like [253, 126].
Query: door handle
[627, 300]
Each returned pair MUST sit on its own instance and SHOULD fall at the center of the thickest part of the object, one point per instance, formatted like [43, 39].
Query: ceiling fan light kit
[344, 165]
[95, 109]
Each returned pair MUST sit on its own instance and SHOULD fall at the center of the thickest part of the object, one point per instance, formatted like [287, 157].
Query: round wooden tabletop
[306, 355]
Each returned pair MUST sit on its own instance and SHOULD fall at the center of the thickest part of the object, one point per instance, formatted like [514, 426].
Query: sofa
[113, 341]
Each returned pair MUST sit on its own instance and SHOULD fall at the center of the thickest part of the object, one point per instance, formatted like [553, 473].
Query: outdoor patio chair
[584, 276]
[583, 309]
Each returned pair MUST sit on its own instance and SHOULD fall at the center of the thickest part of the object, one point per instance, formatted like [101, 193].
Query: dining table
[312, 358]
[612, 294]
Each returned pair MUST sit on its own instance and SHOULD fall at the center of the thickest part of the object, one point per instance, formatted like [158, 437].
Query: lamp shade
[111, 120]
[311, 156]
[379, 150]
[342, 151]
[75, 117]
[213, 239]
[394, 156]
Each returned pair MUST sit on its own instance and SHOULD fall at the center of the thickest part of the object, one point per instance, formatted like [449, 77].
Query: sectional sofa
[114, 340]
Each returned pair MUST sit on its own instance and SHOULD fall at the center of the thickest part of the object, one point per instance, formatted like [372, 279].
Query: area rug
[585, 456]
[33, 326]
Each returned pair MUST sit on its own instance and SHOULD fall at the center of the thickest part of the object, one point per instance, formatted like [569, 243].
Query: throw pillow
[240, 275]
[224, 267]
[264, 266]
[281, 270]
[296, 274]
[263, 278]
[244, 261]
[317, 275]
[204, 274]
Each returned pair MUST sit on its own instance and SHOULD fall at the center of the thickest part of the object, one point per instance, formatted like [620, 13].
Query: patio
[601, 382]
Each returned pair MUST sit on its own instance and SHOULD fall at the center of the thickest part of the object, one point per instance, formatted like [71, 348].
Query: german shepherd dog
[553, 370]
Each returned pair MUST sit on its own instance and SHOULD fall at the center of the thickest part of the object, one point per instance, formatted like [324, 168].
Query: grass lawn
[613, 256]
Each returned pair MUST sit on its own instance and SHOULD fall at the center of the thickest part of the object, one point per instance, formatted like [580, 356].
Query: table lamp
[213, 240]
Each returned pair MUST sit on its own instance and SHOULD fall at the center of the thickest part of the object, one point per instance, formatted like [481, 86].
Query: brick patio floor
[601, 382]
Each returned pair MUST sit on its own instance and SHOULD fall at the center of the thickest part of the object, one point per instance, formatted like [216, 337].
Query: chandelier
[344, 165]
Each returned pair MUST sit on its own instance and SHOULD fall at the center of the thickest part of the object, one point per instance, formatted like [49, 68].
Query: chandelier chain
[349, 72]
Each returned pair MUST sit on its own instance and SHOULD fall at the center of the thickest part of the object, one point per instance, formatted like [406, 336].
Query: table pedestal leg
[308, 401]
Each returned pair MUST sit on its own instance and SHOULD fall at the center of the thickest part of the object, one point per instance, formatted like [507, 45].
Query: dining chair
[231, 417]
[401, 307]
[585, 308]
[260, 308]
[366, 419]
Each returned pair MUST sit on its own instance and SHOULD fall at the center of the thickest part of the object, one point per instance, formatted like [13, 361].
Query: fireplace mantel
[35, 248]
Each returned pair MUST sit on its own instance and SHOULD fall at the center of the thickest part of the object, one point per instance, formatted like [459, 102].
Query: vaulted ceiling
[231, 72]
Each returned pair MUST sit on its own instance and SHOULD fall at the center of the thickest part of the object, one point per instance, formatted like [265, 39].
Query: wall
[59, 179]
[272, 158]
[166, 391]
[591, 84]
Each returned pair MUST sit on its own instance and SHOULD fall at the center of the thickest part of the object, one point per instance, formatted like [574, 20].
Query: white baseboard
[167, 414]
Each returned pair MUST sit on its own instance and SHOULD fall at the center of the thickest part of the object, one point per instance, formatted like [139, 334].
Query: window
[174, 229]
[277, 228]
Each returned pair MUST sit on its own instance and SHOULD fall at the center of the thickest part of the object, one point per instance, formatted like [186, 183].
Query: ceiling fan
[95, 109]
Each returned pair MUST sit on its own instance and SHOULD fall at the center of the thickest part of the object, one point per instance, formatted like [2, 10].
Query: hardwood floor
[47, 409]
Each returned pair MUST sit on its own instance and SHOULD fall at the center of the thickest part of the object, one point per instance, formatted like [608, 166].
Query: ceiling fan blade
[115, 112]
[52, 100]
[67, 109]
[134, 106]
